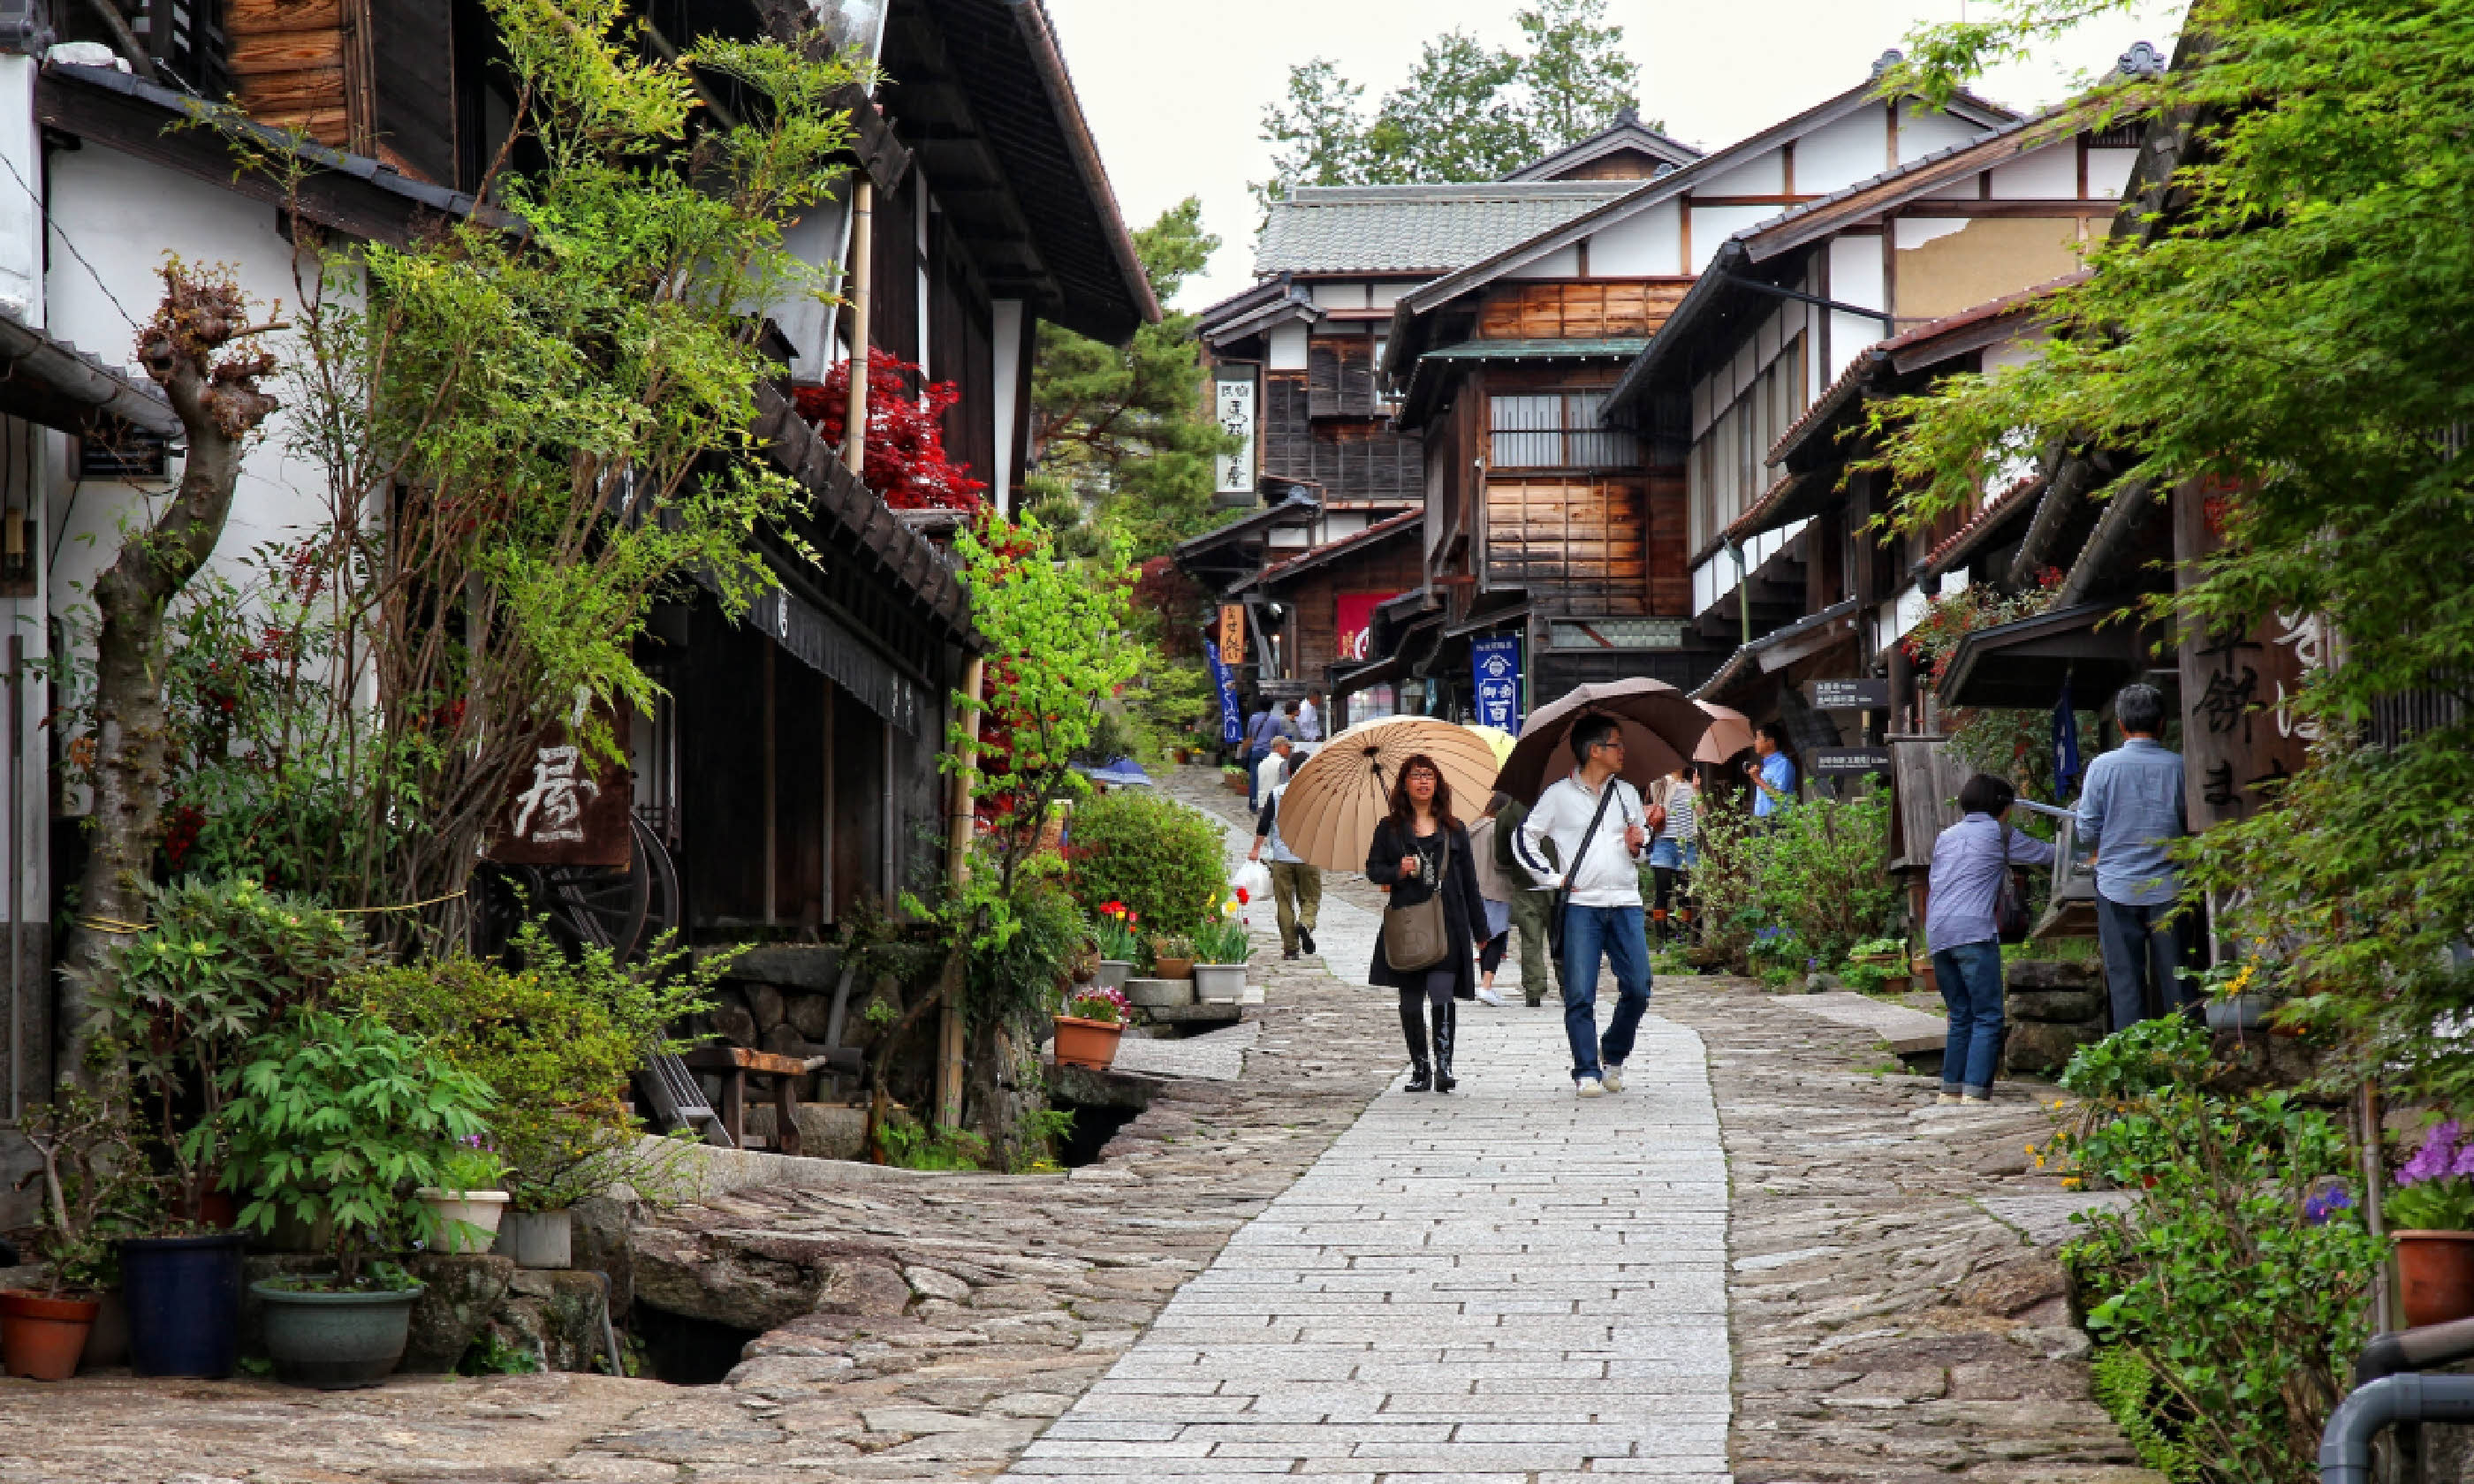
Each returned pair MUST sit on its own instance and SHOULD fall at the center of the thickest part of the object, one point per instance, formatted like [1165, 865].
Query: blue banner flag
[2066, 743]
[1495, 661]
[1232, 726]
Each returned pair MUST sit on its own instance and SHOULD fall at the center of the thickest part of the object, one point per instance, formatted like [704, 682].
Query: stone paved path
[1505, 1285]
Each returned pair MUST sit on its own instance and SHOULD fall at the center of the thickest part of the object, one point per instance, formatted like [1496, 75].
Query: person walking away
[1772, 770]
[2130, 807]
[1529, 903]
[1310, 718]
[1602, 910]
[1496, 888]
[1970, 860]
[1260, 728]
[1419, 851]
[1296, 885]
[1674, 851]
[1273, 771]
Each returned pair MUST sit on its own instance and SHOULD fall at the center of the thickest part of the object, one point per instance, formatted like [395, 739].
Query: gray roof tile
[1423, 228]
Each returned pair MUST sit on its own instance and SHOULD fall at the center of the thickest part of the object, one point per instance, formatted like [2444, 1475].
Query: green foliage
[2244, 1306]
[337, 1116]
[186, 1000]
[916, 1146]
[1125, 431]
[1045, 1129]
[533, 384]
[1817, 868]
[2294, 334]
[1019, 977]
[1221, 938]
[2125, 1386]
[93, 1176]
[554, 1040]
[492, 1355]
[1726, 886]
[2146, 1059]
[1164, 860]
[1468, 112]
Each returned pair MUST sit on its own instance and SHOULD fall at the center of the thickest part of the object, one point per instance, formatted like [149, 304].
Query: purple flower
[2325, 1204]
[2435, 1159]
[2464, 1162]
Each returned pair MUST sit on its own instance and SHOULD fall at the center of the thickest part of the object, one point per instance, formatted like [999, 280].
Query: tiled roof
[1626, 345]
[1381, 530]
[1417, 228]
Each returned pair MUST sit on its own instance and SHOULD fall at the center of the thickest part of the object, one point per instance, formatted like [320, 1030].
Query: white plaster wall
[1928, 132]
[1287, 351]
[1562, 263]
[1854, 278]
[21, 254]
[1914, 231]
[1383, 295]
[1842, 152]
[1712, 225]
[816, 239]
[2050, 174]
[1968, 189]
[1763, 175]
[1338, 295]
[1646, 242]
[123, 215]
[2109, 172]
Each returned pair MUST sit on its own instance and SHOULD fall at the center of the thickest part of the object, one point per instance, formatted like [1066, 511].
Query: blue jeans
[1254, 757]
[2144, 949]
[1617, 932]
[1970, 976]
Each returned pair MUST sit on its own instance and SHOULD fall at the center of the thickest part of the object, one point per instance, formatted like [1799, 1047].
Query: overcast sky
[1175, 89]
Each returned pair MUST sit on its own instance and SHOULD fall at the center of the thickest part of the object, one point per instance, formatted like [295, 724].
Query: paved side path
[1505, 1284]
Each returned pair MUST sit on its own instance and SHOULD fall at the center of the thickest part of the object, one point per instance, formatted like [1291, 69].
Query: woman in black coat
[1418, 845]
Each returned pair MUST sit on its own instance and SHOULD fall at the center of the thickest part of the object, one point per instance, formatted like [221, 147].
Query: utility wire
[46, 217]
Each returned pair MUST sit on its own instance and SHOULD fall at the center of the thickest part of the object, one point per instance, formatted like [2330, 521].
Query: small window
[1559, 430]
[123, 452]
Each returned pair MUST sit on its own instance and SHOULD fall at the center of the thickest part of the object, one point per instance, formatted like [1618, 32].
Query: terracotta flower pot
[40, 1337]
[1173, 968]
[1092, 1043]
[2436, 1275]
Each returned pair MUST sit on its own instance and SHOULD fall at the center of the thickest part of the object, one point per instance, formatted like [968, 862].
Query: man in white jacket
[1602, 912]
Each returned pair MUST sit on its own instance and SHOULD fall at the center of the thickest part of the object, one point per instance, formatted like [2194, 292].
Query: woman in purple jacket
[1969, 862]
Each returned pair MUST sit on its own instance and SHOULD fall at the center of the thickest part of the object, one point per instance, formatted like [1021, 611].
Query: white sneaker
[1613, 1077]
[1589, 1087]
[1488, 996]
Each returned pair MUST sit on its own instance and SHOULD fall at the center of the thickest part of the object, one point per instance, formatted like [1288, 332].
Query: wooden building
[1766, 366]
[1558, 502]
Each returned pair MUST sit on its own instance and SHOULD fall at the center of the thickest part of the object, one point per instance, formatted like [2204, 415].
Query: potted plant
[1172, 956]
[184, 1001]
[1090, 1026]
[1222, 946]
[2236, 1000]
[2431, 1215]
[336, 1120]
[87, 1157]
[1233, 778]
[1120, 950]
[468, 1199]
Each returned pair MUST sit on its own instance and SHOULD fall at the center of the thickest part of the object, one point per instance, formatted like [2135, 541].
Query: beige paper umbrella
[1335, 800]
[1729, 732]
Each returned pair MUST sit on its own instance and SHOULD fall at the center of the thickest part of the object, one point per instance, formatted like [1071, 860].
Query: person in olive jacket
[1417, 848]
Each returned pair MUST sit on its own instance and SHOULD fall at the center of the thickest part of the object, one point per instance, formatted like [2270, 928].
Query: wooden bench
[736, 1067]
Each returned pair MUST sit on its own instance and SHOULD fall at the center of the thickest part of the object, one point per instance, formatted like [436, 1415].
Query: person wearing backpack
[1972, 889]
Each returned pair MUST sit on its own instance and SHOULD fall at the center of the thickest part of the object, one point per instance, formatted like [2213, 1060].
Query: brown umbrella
[1660, 727]
[1729, 732]
[1337, 796]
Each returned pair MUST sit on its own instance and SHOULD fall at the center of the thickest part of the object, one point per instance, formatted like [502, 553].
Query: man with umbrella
[1598, 824]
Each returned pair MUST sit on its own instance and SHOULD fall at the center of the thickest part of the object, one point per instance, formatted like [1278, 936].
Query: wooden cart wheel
[595, 906]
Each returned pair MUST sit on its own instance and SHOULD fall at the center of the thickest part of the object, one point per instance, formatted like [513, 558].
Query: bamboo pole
[862, 265]
[958, 825]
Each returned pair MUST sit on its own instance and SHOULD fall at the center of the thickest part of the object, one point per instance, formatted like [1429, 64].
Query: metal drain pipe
[2345, 1447]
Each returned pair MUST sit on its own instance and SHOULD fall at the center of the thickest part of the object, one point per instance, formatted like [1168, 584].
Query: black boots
[1447, 1017]
[1413, 1030]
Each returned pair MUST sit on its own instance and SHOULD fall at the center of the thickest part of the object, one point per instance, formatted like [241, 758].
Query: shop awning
[2095, 646]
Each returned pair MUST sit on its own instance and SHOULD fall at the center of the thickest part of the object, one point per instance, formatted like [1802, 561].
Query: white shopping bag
[1255, 878]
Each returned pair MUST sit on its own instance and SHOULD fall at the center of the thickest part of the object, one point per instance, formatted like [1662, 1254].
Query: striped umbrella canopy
[1337, 797]
[1502, 741]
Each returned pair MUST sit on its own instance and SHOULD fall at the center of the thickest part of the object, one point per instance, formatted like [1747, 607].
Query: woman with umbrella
[1421, 851]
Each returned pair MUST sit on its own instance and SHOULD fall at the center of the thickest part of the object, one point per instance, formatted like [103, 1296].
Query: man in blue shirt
[1260, 728]
[1772, 770]
[2129, 809]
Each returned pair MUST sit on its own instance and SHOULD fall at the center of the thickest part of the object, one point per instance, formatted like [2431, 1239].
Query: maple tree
[905, 460]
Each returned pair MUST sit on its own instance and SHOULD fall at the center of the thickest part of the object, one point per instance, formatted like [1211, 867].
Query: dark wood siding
[415, 85]
[1368, 460]
[1574, 540]
[1592, 310]
[893, 311]
[287, 64]
[1386, 567]
[1340, 377]
[960, 352]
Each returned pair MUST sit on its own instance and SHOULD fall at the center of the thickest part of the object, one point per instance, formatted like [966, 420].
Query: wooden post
[959, 825]
[863, 263]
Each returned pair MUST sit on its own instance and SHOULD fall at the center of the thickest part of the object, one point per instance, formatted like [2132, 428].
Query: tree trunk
[219, 407]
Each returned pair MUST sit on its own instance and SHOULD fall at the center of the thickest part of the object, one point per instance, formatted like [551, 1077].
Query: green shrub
[1164, 861]
[555, 1039]
[1818, 870]
[1019, 976]
[2237, 1279]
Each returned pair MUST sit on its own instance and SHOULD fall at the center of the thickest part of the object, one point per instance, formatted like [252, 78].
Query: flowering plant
[2434, 1191]
[1172, 946]
[1118, 940]
[1098, 1002]
[1222, 938]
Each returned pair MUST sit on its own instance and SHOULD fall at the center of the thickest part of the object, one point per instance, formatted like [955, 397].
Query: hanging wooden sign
[1232, 633]
[563, 810]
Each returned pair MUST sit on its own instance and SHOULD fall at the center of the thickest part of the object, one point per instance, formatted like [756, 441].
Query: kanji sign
[1845, 761]
[563, 810]
[1232, 404]
[1356, 620]
[1232, 634]
[2241, 739]
[1496, 663]
[1851, 695]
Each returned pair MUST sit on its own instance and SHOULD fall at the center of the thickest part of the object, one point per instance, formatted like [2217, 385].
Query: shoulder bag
[2010, 919]
[1416, 937]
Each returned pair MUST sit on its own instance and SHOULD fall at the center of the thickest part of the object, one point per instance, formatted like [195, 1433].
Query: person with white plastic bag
[1296, 884]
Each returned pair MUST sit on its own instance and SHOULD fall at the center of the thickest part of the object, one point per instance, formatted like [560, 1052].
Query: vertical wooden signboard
[2241, 738]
